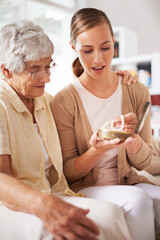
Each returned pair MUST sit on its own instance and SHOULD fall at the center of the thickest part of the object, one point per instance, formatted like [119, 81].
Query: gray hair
[23, 41]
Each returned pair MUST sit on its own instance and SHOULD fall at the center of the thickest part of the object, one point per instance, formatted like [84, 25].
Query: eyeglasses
[40, 74]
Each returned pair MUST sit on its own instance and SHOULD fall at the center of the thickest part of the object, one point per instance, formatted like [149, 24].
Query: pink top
[99, 111]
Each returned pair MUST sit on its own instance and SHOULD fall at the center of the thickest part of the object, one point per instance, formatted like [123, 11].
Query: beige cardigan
[75, 132]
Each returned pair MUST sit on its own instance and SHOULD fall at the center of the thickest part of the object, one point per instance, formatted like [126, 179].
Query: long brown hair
[82, 20]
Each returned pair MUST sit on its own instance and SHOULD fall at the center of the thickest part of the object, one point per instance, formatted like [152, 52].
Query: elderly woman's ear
[6, 72]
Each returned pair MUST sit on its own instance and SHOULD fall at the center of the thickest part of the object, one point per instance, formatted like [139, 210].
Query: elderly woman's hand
[64, 220]
[127, 77]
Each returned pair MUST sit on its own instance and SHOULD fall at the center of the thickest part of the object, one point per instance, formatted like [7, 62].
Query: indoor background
[139, 16]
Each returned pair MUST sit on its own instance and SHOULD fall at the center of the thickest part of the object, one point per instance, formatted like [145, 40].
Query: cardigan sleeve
[143, 157]
[154, 166]
[63, 110]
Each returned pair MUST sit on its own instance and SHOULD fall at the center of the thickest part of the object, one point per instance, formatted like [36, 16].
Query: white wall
[141, 16]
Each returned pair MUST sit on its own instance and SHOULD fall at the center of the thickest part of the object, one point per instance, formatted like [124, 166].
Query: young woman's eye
[107, 48]
[88, 51]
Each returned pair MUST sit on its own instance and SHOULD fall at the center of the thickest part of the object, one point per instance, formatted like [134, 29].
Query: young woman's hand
[132, 144]
[127, 77]
[130, 122]
[101, 145]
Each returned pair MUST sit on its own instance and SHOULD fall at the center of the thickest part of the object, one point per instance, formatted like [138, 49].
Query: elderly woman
[32, 184]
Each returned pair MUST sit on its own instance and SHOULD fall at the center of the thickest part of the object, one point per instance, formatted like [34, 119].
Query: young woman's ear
[72, 46]
[6, 72]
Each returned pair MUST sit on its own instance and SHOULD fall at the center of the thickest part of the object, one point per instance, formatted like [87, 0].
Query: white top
[99, 111]
[47, 160]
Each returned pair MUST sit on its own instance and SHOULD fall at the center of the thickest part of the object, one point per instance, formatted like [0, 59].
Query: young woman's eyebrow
[87, 46]
[100, 44]
[105, 42]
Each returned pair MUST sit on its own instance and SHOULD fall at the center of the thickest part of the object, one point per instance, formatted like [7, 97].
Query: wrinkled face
[31, 83]
[95, 49]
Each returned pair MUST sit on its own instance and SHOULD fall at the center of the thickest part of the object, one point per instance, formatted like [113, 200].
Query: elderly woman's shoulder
[47, 97]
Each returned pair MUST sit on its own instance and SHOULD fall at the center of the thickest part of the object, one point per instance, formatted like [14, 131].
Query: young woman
[97, 167]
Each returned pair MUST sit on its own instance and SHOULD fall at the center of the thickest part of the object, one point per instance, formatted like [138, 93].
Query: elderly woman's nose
[45, 78]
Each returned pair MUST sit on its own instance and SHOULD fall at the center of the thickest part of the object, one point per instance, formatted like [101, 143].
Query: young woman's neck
[102, 87]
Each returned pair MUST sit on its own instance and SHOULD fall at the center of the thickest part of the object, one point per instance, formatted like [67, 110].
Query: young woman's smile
[98, 69]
